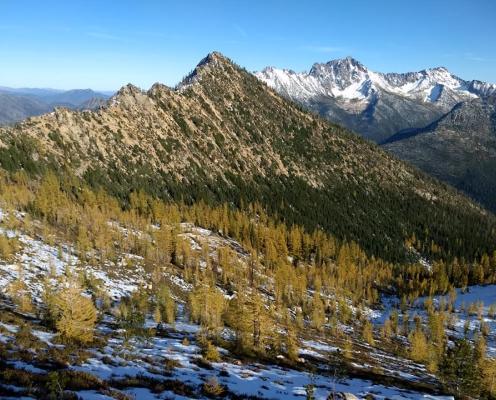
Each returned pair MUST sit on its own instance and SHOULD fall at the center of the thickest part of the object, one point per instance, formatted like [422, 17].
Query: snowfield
[148, 358]
[172, 354]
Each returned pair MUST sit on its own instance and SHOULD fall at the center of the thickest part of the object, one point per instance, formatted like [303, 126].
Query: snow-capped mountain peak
[373, 103]
[340, 74]
[348, 79]
[345, 78]
[483, 89]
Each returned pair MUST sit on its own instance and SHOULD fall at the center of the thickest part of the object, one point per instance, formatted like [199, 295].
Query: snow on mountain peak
[348, 80]
[340, 73]
[482, 89]
[347, 63]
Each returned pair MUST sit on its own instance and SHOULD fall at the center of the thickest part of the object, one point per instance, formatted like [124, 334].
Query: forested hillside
[223, 136]
[176, 298]
[459, 148]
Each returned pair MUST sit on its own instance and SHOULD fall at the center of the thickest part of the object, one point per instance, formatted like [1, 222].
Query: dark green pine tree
[460, 369]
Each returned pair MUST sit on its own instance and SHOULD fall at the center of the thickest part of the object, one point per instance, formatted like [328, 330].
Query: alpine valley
[218, 240]
[433, 119]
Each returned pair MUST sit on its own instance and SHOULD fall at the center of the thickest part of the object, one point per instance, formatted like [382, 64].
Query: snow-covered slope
[374, 103]
[167, 363]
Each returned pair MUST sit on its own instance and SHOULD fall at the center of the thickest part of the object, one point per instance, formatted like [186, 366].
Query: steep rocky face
[340, 74]
[375, 105]
[459, 148]
[385, 114]
[482, 89]
[222, 135]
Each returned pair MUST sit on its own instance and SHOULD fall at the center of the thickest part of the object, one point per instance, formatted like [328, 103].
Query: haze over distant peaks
[17, 104]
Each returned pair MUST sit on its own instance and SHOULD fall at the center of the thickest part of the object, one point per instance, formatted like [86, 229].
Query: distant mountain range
[433, 119]
[17, 104]
[376, 105]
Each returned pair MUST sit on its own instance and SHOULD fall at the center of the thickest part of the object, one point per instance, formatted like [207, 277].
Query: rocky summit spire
[213, 61]
[126, 94]
[214, 57]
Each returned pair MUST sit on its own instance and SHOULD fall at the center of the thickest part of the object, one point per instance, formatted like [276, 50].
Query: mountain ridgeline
[459, 148]
[223, 136]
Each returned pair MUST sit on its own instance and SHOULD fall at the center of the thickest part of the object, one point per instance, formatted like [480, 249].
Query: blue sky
[105, 44]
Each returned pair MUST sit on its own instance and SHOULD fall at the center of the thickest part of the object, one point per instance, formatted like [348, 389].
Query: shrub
[80, 380]
[212, 387]
[55, 385]
[208, 350]
[25, 338]
[8, 247]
